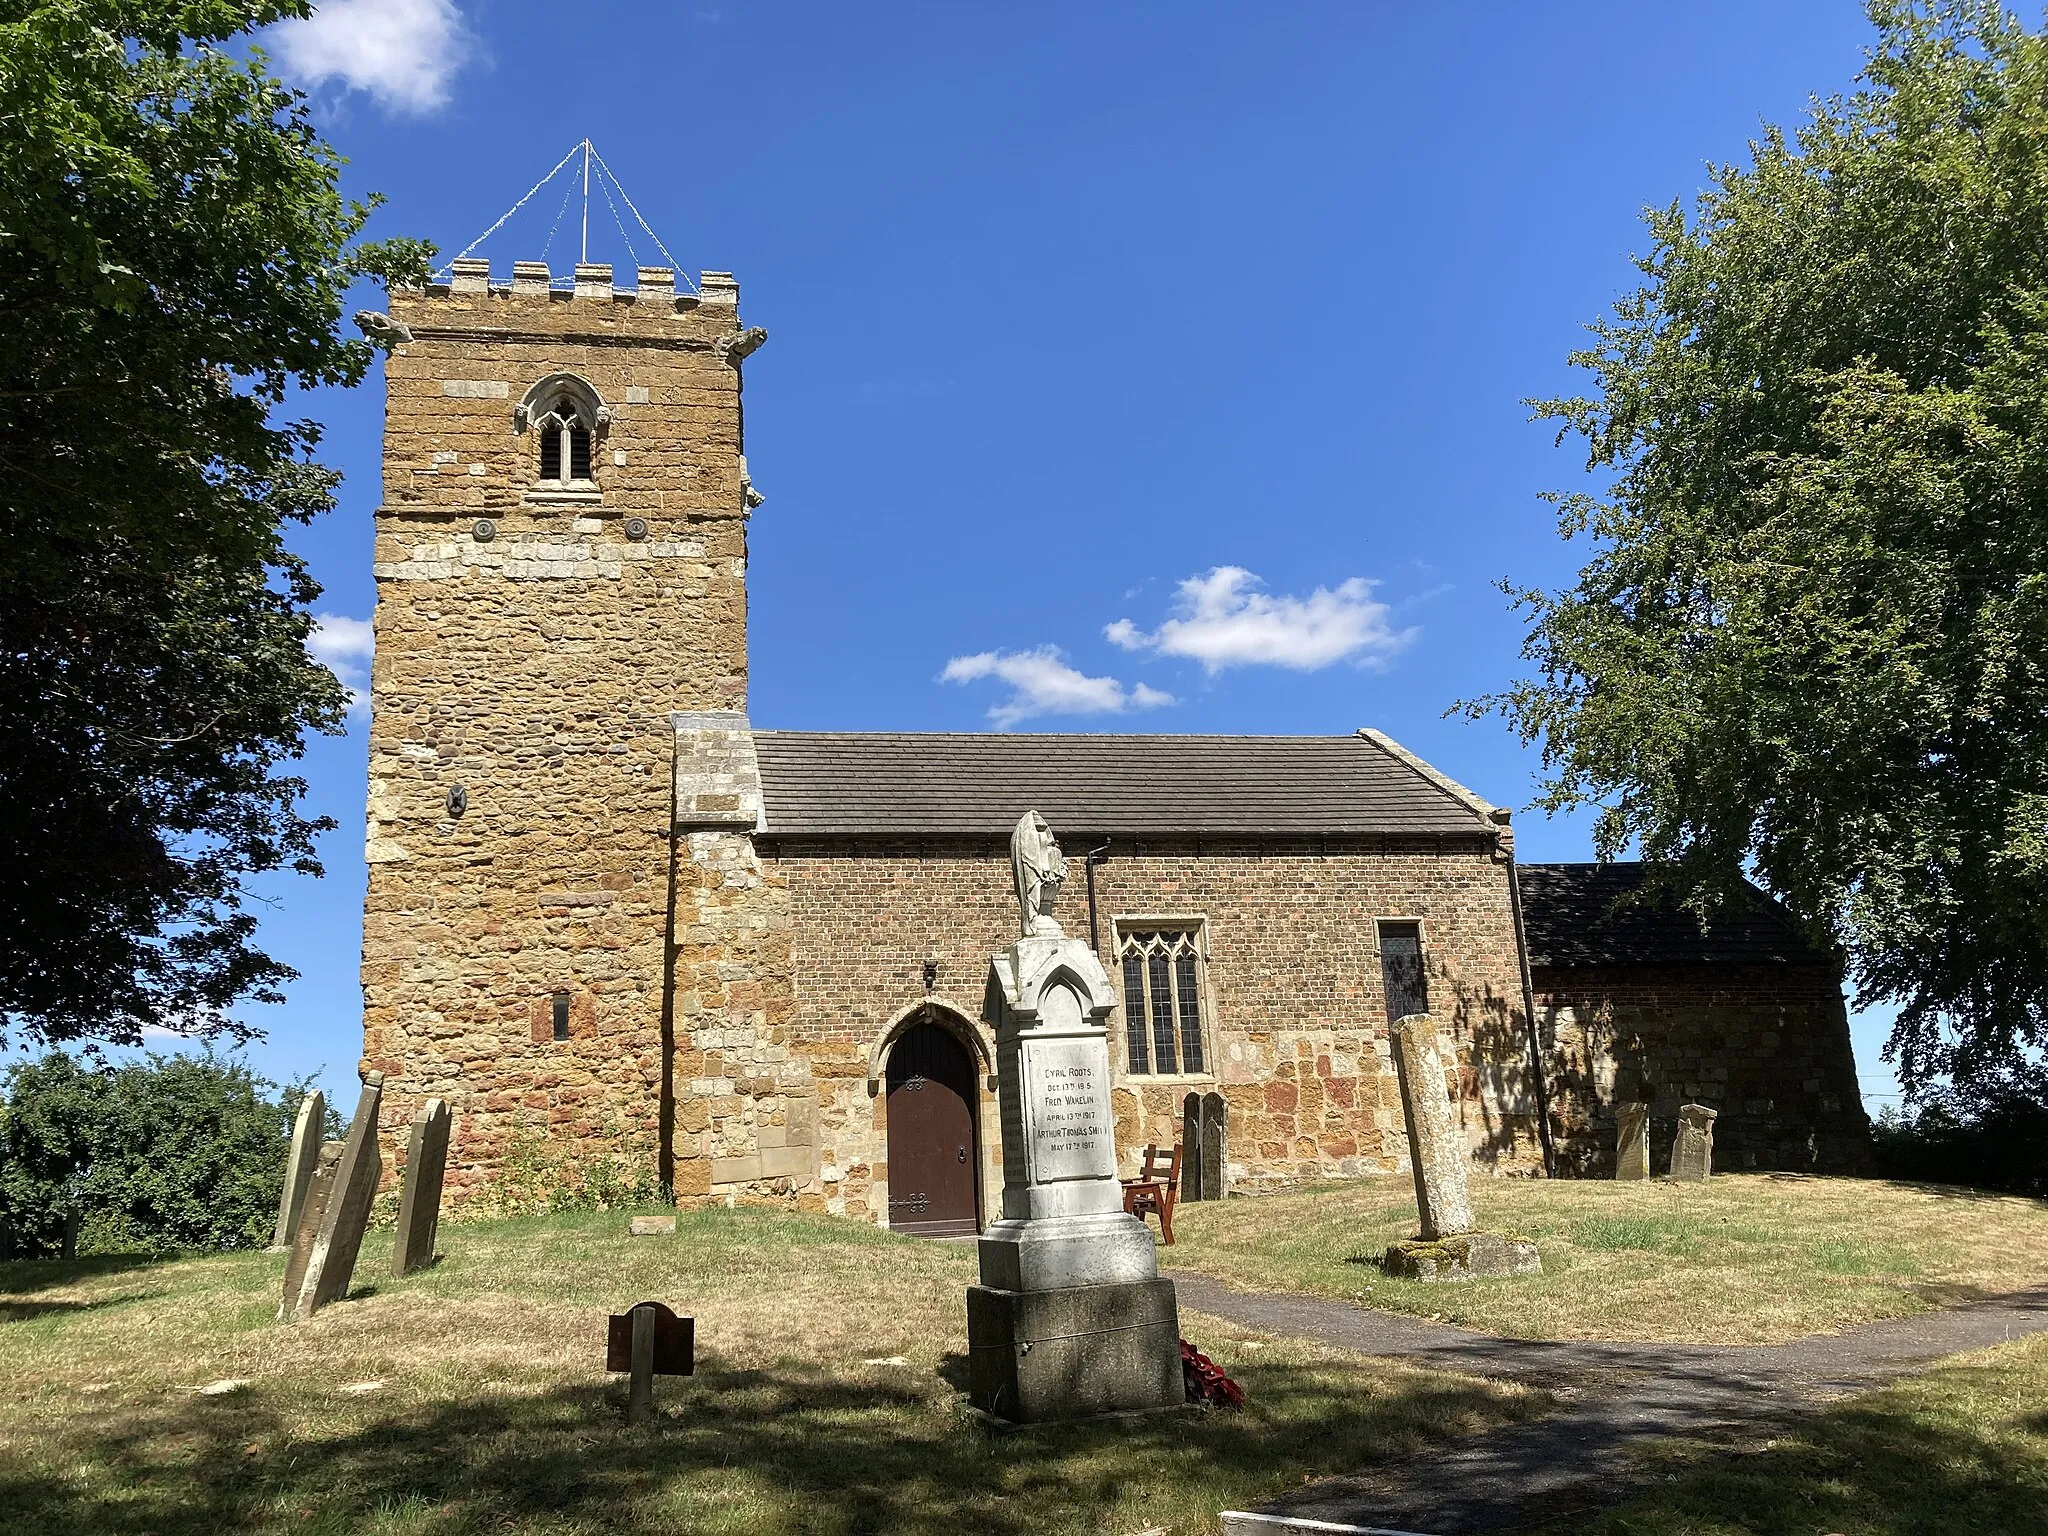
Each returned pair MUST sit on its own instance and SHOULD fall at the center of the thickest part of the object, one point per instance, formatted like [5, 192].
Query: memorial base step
[1075, 1352]
[1468, 1256]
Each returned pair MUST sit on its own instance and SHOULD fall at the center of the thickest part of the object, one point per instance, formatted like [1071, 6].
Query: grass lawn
[1743, 1259]
[1962, 1450]
[471, 1398]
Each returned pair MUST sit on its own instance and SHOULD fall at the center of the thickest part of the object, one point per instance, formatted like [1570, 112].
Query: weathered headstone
[1632, 1141]
[1071, 1317]
[298, 1167]
[338, 1235]
[1436, 1145]
[1191, 1148]
[651, 1226]
[1215, 1147]
[1447, 1247]
[318, 1190]
[419, 1207]
[1692, 1154]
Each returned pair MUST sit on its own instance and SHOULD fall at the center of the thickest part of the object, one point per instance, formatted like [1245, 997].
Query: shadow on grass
[1961, 1192]
[1888, 1465]
[773, 1451]
[24, 1311]
[26, 1276]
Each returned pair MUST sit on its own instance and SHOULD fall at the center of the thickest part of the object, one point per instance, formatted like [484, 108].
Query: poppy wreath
[1205, 1381]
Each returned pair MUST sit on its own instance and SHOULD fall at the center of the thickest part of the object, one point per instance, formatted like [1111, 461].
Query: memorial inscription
[1068, 1107]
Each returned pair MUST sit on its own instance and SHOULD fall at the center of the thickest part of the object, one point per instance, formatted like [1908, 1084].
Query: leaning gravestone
[337, 1237]
[318, 1189]
[1215, 1147]
[419, 1208]
[1692, 1154]
[1447, 1247]
[299, 1164]
[1071, 1317]
[1191, 1148]
[1632, 1142]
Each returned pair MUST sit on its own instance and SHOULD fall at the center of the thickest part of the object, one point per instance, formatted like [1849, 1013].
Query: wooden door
[933, 1153]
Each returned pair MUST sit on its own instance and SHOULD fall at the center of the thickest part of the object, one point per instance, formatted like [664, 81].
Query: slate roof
[933, 784]
[1571, 918]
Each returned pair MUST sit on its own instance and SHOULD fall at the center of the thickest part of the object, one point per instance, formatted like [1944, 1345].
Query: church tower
[561, 601]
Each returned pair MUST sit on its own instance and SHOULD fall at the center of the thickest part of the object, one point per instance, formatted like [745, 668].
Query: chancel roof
[1583, 914]
[931, 784]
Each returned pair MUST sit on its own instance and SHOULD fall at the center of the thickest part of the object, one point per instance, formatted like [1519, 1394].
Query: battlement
[655, 287]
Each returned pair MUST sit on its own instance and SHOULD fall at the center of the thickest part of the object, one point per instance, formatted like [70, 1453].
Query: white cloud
[1225, 619]
[344, 646]
[1043, 684]
[404, 53]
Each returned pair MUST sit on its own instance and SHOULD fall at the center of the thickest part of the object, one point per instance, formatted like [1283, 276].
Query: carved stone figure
[1040, 871]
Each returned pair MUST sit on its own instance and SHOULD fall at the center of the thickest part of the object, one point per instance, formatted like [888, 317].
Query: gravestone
[1191, 1147]
[1447, 1246]
[1071, 1317]
[1632, 1141]
[1215, 1147]
[299, 1164]
[318, 1189]
[1692, 1154]
[337, 1237]
[419, 1208]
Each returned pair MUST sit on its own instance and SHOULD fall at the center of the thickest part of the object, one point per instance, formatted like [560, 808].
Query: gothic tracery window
[565, 414]
[564, 443]
[1163, 1013]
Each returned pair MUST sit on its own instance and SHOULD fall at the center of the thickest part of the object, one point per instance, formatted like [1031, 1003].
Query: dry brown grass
[492, 1413]
[1743, 1259]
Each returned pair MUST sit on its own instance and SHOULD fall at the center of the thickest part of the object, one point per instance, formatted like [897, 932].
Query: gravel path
[1614, 1396]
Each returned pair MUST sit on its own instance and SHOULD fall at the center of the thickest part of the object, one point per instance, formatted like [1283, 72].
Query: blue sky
[1130, 367]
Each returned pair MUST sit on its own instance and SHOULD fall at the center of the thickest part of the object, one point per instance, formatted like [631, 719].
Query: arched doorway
[933, 1150]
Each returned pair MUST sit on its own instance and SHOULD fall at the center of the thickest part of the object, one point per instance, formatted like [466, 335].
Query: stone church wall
[1766, 1045]
[1297, 1036]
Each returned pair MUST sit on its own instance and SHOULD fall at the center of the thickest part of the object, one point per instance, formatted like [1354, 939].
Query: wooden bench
[1155, 1191]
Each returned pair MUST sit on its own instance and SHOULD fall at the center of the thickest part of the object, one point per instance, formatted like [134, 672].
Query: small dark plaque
[675, 1341]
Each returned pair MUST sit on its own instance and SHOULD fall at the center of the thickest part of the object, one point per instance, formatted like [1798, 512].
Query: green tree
[167, 1154]
[174, 254]
[1812, 634]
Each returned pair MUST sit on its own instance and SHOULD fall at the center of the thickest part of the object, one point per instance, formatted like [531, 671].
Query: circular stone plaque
[636, 528]
[485, 530]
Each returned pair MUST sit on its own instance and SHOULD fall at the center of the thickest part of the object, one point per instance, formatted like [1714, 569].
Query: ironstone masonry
[607, 917]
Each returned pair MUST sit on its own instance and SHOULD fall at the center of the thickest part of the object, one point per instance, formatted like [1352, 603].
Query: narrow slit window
[561, 1015]
[1402, 973]
[1163, 1019]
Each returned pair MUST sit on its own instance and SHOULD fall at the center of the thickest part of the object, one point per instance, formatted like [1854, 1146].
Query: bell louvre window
[1163, 1014]
[1401, 970]
[564, 445]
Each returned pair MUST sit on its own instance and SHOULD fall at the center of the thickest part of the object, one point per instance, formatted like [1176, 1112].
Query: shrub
[538, 1173]
[1992, 1138]
[166, 1154]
